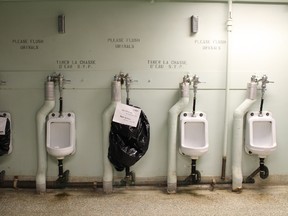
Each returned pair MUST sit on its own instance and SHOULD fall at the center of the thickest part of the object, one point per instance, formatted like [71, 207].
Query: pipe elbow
[238, 113]
[40, 116]
[106, 115]
[108, 112]
[178, 107]
[242, 109]
[44, 110]
[173, 109]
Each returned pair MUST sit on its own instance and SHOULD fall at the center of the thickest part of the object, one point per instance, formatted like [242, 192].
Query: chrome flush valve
[59, 80]
[254, 79]
[123, 78]
[187, 79]
[195, 81]
[190, 80]
[264, 81]
[128, 81]
[119, 77]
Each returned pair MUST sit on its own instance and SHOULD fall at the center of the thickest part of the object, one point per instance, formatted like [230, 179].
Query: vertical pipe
[60, 80]
[127, 171]
[237, 137]
[172, 136]
[194, 105]
[261, 106]
[106, 122]
[47, 107]
[227, 91]
[61, 106]
[60, 168]
[193, 170]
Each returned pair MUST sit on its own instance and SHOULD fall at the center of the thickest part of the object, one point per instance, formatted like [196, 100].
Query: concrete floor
[192, 200]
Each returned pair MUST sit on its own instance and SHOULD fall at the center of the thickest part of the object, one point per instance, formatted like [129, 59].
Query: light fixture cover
[61, 24]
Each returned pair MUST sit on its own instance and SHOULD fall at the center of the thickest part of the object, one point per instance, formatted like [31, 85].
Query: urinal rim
[195, 116]
[256, 115]
[192, 153]
[194, 119]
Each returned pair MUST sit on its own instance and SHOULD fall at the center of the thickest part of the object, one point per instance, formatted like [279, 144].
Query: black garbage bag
[5, 139]
[128, 144]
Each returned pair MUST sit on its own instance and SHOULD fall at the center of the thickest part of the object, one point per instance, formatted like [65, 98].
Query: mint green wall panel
[153, 43]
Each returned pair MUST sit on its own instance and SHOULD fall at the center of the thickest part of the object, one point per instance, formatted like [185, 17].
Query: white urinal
[5, 117]
[260, 137]
[60, 136]
[194, 134]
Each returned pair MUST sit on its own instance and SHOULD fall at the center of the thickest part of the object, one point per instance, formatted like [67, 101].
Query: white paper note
[3, 121]
[126, 115]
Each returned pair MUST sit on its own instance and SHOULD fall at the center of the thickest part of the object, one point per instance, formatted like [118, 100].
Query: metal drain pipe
[16, 184]
[30, 184]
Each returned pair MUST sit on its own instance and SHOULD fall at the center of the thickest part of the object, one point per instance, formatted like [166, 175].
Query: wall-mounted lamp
[61, 24]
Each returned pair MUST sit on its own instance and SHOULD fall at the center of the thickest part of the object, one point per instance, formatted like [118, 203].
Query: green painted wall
[32, 49]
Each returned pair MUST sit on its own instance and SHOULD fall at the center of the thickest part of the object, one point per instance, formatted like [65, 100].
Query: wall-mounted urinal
[55, 133]
[60, 133]
[5, 138]
[194, 134]
[260, 136]
[60, 136]
[5, 133]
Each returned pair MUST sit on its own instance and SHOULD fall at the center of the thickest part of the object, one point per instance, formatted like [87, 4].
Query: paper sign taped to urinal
[127, 115]
[3, 122]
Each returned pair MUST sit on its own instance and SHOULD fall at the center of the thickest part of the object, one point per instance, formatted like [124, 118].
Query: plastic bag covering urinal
[60, 138]
[194, 134]
[260, 134]
[128, 144]
[5, 133]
